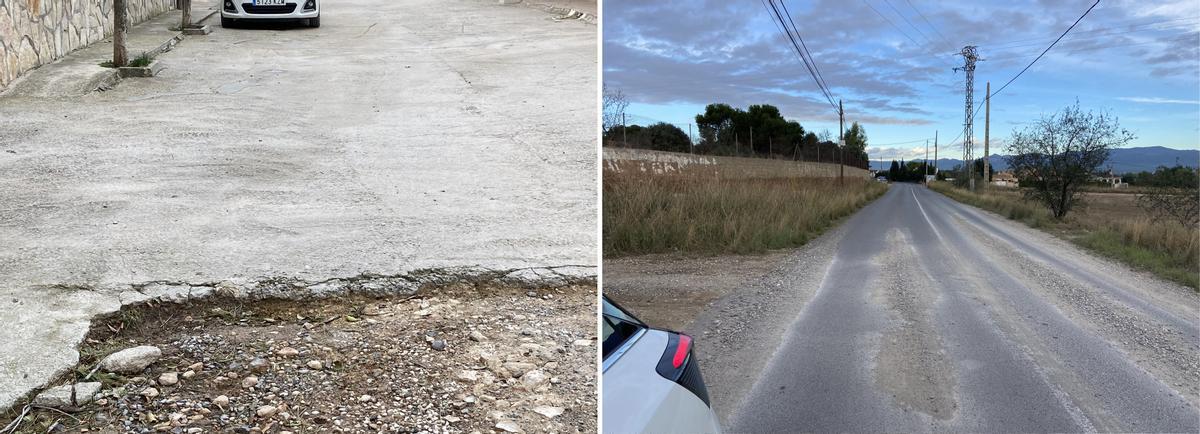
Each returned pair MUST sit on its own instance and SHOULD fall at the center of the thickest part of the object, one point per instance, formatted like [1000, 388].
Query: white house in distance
[1004, 179]
[1113, 181]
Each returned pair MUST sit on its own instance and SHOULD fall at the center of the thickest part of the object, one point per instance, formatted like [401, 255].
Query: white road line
[927, 219]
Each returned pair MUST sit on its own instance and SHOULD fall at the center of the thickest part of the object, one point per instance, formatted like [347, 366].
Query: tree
[120, 33]
[856, 143]
[716, 126]
[1172, 203]
[615, 104]
[185, 6]
[664, 137]
[1059, 153]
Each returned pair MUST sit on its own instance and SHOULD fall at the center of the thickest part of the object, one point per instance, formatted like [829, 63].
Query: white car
[308, 11]
[652, 382]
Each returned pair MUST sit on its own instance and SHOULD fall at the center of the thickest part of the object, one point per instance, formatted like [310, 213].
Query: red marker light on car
[681, 351]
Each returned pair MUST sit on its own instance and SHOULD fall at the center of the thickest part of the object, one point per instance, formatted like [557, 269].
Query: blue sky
[1139, 60]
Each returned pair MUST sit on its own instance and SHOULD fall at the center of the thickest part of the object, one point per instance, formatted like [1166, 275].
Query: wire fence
[643, 132]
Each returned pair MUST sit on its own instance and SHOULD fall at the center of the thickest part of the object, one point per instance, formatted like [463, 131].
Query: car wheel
[227, 22]
[314, 22]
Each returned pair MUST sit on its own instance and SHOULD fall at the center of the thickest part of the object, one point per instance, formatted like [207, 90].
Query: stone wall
[37, 32]
[619, 160]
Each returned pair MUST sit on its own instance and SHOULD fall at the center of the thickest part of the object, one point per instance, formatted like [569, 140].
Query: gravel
[280, 366]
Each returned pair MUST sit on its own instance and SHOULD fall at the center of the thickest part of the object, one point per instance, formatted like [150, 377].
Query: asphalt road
[935, 316]
[400, 137]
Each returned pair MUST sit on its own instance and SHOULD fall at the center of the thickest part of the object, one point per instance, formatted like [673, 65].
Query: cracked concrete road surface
[923, 314]
[401, 143]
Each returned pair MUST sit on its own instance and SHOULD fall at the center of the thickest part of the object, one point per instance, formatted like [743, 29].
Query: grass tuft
[142, 61]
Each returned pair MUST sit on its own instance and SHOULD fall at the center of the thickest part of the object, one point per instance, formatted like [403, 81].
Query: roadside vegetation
[700, 215]
[758, 131]
[1058, 159]
[1111, 224]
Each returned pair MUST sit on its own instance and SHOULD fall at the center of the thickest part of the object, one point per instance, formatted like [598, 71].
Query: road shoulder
[738, 308]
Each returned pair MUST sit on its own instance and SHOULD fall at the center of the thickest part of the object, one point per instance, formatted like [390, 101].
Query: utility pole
[926, 181]
[987, 126]
[120, 31]
[935, 162]
[737, 146]
[624, 139]
[969, 57]
[691, 142]
[770, 147]
[841, 142]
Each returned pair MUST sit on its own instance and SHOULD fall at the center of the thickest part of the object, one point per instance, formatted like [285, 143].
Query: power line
[1187, 36]
[889, 21]
[1014, 78]
[774, 12]
[801, 52]
[903, 143]
[918, 45]
[935, 29]
[1079, 36]
[803, 45]
[1076, 37]
[1085, 13]
[1131, 28]
[910, 24]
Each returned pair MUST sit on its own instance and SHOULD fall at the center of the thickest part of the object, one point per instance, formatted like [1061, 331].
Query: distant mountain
[1123, 160]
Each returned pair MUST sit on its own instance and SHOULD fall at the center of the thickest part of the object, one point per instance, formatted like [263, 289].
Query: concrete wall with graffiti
[659, 163]
[37, 32]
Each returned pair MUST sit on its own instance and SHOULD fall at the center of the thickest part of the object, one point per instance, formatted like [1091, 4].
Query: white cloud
[1156, 100]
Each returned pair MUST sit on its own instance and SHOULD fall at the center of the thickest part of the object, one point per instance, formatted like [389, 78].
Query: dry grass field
[705, 215]
[1108, 223]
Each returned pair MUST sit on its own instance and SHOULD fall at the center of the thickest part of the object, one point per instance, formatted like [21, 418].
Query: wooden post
[987, 126]
[120, 31]
[185, 6]
[841, 143]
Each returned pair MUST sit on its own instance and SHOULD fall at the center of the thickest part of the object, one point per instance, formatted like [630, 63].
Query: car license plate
[268, 2]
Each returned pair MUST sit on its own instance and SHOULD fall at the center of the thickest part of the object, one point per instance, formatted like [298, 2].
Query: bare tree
[1172, 203]
[1059, 153]
[615, 104]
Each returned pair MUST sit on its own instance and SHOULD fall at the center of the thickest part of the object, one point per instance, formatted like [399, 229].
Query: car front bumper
[292, 10]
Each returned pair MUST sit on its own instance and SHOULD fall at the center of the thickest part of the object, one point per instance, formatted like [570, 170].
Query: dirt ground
[670, 290]
[1112, 206]
[511, 360]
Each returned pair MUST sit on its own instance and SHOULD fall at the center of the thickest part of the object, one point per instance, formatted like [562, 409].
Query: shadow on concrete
[300, 24]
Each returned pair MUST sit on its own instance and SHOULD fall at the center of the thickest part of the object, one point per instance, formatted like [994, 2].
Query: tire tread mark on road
[965, 311]
[1124, 294]
[912, 364]
[1101, 381]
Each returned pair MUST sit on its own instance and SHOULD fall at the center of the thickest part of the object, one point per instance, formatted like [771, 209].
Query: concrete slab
[403, 143]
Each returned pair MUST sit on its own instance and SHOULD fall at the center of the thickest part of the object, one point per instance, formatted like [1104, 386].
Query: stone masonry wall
[37, 32]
